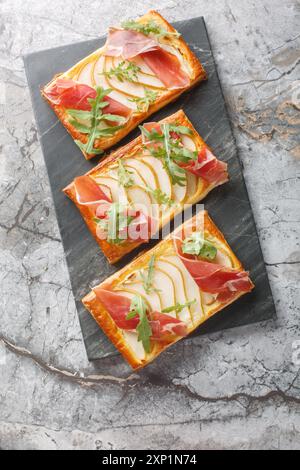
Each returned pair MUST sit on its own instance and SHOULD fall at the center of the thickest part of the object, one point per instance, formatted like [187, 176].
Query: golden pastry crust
[197, 74]
[115, 252]
[104, 320]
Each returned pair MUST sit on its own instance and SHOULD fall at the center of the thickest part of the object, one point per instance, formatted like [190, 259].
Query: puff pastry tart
[166, 293]
[144, 65]
[140, 187]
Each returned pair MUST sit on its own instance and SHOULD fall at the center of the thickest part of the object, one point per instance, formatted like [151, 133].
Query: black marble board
[228, 205]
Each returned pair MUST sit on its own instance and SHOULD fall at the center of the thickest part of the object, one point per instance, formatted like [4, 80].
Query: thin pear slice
[188, 142]
[191, 186]
[163, 283]
[179, 192]
[117, 191]
[191, 288]
[140, 199]
[132, 90]
[84, 75]
[101, 80]
[143, 79]
[178, 280]
[137, 177]
[97, 78]
[137, 288]
[143, 169]
[162, 177]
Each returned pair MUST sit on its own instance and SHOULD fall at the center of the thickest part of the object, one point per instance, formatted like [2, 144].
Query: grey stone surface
[235, 389]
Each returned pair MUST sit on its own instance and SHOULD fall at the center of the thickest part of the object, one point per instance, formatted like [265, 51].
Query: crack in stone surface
[91, 380]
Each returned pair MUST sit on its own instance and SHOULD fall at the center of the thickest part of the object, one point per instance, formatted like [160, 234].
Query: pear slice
[140, 199]
[178, 280]
[84, 75]
[191, 288]
[136, 288]
[145, 79]
[97, 78]
[130, 89]
[162, 177]
[191, 187]
[164, 285]
[188, 142]
[137, 177]
[179, 192]
[117, 191]
[143, 169]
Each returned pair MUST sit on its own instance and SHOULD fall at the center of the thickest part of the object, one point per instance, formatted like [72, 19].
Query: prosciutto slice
[208, 167]
[213, 277]
[88, 191]
[167, 68]
[130, 44]
[118, 306]
[73, 95]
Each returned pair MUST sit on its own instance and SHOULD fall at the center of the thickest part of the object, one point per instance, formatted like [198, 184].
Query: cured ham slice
[73, 95]
[163, 326]
[118, 306]
[208, 167]
[167, 68]
[130, 44]
[213, 277]
[87, 191]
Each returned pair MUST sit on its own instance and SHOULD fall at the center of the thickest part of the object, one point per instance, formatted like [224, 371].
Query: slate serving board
[228, 205]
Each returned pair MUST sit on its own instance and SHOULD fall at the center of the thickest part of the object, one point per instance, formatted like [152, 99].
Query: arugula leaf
[138, 308]
[148, 278]
[125, 71]
[170, 150]
[80, 114]
[160, 196]
[197, 245]
[93, 118]
[143, 102]
[124, 177]
[151, 27]
[177, 308]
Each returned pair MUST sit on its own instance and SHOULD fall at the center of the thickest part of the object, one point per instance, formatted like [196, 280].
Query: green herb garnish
[197, 245]
[151, 27]
[93, 119]
[149, 277]
[138, 308]
[170, 150]
[124, 177]
[177, 308]
[160, 197]
[145, 101]
[125, 71]
[116, 223]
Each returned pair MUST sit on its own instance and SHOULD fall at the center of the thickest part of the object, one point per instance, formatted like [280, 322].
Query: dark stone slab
[228, 205]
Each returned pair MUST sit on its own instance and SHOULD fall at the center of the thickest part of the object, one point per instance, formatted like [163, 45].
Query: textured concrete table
[236, 389]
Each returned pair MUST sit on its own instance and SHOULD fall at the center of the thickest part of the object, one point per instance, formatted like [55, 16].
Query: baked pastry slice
[166, 293]
[144, 65]
[140, 187]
